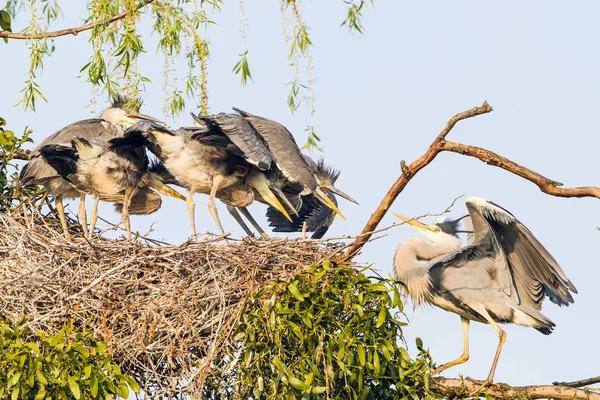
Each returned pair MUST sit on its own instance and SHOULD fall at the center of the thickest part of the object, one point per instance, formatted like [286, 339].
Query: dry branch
[580, 383]
[459, 388]
[71, 31]
[439, 145]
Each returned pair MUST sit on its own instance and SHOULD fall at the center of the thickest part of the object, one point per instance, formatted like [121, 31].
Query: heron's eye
[322, 183]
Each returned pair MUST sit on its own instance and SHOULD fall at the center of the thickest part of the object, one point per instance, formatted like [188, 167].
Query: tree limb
[439, 145]
[408, 173]
[459, 388]
[71, 31]
[583, 382]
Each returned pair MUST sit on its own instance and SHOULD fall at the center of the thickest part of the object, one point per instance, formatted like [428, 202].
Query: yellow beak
[164, 189]
[319, 194]
[259, 182]
[414, 223]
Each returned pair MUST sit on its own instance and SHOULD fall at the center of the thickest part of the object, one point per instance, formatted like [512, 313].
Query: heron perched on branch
[311, 212]
[115, 170]
[123, 112]
[227, 173]
[502, 275]
[273, 153]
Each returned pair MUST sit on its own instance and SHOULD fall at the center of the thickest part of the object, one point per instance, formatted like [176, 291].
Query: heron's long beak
[414, 223]
[156, 183]
[338, 192]
[259, 182]
[139, 116]
[286, 201]
[321, 196]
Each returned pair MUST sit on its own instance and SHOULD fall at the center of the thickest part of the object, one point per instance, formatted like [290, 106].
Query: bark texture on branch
[459, 388]
[439, 145]
[583, 382]
[71, 31]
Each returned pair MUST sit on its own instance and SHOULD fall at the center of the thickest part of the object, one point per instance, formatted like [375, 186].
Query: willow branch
[459, 388]
[71, 31]
[583, 382]
[408, 172]
[439, 145]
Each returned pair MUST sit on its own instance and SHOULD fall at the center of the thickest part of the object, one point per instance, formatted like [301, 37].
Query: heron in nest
[502, 275]
[272, 152]
[226, 173]
[122, 113]
[311, 215]
[115, 170]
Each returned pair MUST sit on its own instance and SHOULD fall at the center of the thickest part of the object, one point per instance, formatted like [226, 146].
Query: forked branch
[72, 31]
[459, 388]
[439, 145]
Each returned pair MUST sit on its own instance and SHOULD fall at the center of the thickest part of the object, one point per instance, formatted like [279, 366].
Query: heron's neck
[412, 268]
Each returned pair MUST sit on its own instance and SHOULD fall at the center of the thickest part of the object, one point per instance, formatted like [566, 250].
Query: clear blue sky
[383, 97]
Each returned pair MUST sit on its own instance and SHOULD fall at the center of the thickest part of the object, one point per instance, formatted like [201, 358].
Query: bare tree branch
[439, 145]
[459, 388]
[71, 31]
[583, 382]
[407, 175]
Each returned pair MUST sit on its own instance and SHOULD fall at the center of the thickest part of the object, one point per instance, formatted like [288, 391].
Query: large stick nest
[163, 310]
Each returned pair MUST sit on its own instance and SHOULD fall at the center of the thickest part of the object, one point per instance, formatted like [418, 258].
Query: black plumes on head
[325, 170]
[449, 226]
[126, 103]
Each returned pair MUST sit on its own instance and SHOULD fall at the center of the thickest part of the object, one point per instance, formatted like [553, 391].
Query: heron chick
[123, 112]
[114, 170]
[502, 275]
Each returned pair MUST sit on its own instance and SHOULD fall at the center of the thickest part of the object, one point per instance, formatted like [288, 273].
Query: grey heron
[122, 112]
[502, 275]
[272, 151]
[317, 217]
[227, 173]
[115, 170]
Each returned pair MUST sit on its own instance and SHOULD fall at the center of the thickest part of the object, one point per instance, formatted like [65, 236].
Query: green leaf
[293, 288]
[381, 317]
[5, 21]
[297, 383]
[361, 354]
[74, 388]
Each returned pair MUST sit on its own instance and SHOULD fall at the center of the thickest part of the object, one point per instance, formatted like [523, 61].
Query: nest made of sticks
[163, 310]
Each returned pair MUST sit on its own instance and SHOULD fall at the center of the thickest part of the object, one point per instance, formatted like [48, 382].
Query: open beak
[164, 189]
[140, 116]
[259, 182]
[338, 192]
[285, 200]
[321, 196]
[414, 223]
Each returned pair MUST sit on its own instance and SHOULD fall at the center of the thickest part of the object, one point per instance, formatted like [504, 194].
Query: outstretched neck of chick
[412, 261]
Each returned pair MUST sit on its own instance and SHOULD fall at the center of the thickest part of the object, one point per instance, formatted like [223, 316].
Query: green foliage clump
[10, 145]
[62, 366]
[329, 331]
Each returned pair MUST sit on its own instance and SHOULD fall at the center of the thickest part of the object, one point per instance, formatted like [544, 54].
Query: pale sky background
[383, 97]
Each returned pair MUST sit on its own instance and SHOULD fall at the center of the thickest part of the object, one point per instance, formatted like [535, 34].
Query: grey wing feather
[242, 135]
[536, 273]
[284, 149]
[37, 171]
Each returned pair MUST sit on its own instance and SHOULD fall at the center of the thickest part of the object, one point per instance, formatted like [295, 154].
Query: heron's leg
[191, 209]
[252, 221]
[465, 355]
[236, 215]
[502, 339]
[211, 202]
[61, 214]
[129, 192]
[94, 217]
[83, 214]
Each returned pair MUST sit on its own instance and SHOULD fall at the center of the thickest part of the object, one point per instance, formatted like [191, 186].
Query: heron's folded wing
[536, 273]
[284, 149]
[89, 129]
[231, 131]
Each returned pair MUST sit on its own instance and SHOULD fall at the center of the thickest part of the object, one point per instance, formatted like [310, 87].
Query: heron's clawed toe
[482, 384]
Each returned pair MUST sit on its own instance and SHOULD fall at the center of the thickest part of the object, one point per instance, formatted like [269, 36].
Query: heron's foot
[482, 384]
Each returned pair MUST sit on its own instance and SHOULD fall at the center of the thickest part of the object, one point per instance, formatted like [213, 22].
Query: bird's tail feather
[528, 316]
